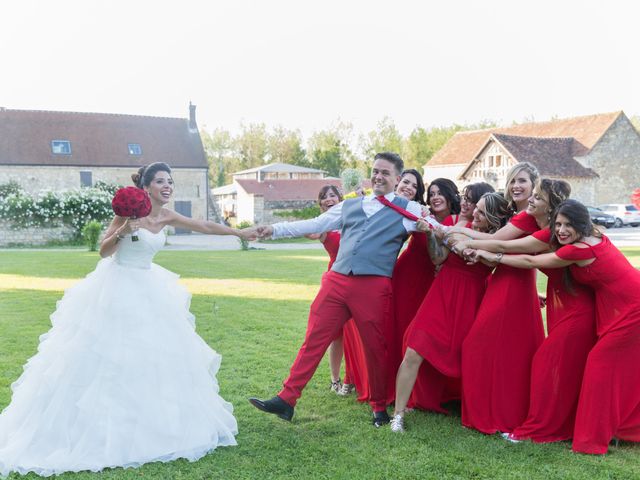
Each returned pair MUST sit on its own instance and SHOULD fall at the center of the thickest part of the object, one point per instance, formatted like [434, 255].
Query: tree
[329, 150]
[252, 145]
[285, 146]
[385, 138]
[219, 148]
[418, 148]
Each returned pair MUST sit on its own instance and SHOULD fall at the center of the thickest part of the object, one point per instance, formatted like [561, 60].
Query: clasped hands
[257, 232]
[459, 242]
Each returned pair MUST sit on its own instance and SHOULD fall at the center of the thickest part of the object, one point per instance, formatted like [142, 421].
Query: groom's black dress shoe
[380, 418]
[276, 405]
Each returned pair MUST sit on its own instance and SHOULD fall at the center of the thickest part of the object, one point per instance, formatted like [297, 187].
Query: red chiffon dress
[412, 278]
[558, 365]
[355, 365]
[609, 404]
[497, 353]
[439, 328]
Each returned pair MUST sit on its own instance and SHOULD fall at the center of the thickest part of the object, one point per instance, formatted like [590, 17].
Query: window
[498, 160]
[86, 179]
[61, 147]
[135, 149]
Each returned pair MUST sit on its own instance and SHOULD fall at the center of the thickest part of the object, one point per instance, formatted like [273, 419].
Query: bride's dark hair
[146, 174]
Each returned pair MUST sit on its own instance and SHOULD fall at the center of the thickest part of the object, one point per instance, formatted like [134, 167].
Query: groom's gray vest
[370, 246]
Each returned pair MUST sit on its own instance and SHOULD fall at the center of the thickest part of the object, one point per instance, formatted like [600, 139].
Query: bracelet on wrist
[499, 257]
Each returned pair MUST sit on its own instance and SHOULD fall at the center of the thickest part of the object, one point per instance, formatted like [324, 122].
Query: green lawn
[252, 307]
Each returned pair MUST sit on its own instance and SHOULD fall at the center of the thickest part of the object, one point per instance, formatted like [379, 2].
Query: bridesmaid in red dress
[436, 333]
[423, 386]
[350, 339]
[414, 272]
[556, 371]
[497, 352]
[609, 403]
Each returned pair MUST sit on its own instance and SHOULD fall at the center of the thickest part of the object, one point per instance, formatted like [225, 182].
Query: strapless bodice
[139, 254]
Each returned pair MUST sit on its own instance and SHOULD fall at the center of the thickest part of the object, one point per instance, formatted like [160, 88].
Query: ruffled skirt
[121, 379]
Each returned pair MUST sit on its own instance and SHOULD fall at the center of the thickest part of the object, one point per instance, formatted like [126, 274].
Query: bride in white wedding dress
[122, 378]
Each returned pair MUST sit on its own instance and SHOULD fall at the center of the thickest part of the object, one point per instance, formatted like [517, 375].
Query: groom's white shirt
[332, 218]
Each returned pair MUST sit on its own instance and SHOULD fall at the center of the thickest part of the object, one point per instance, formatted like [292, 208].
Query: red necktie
[382, 199]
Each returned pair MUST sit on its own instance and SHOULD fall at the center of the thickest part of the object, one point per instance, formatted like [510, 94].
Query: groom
[358, 285]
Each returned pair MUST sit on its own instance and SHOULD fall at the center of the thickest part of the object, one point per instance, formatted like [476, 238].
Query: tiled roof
[552, 156]
[274, 190]
[280, 167]
[586, 131]
[97, 139]
[224, 190]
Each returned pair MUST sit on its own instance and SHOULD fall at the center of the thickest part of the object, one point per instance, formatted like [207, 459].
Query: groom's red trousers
[366, 299]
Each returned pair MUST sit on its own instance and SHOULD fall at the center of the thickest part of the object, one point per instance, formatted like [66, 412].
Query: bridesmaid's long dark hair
[580, 220]
[419, 196]
[449, 191]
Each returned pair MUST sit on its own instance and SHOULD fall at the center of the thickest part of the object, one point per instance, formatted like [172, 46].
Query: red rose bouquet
[132, 202]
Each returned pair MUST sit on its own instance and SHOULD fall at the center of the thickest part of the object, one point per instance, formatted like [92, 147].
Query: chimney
[192, 117]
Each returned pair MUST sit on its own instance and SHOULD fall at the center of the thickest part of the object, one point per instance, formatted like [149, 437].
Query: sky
[308, 64]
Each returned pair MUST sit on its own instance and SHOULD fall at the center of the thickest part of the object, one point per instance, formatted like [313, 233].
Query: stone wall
[583, 189]
[259, 211]
[33, 235]
[190, 183]
[616, 159]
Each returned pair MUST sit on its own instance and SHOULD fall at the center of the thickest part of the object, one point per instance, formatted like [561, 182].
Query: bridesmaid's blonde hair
[531, 170]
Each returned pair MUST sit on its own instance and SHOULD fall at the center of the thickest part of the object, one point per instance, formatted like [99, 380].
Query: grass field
[251, 307]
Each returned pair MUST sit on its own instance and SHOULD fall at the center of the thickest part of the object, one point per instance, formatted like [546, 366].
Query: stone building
[598, 154]
[62, 150]
[257, 194]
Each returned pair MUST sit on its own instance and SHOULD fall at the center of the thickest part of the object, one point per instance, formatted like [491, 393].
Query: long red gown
[439, 328]
[497, 353]
[355, 365]
[609, 404]
[558, 365]
[412, 278]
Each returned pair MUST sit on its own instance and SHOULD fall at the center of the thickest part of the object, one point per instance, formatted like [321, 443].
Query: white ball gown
[121, 379]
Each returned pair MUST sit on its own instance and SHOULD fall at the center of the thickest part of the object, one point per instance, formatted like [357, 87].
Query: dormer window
[135, 149]
[61, 147]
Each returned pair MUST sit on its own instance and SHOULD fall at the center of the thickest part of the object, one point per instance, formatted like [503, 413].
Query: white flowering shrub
[18, 208]
[111, 188]
[79, 207]
[9, 187]
[74, 208]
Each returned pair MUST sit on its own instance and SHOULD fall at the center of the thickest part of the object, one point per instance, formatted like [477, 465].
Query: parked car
[601, 218]
[625, 214]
